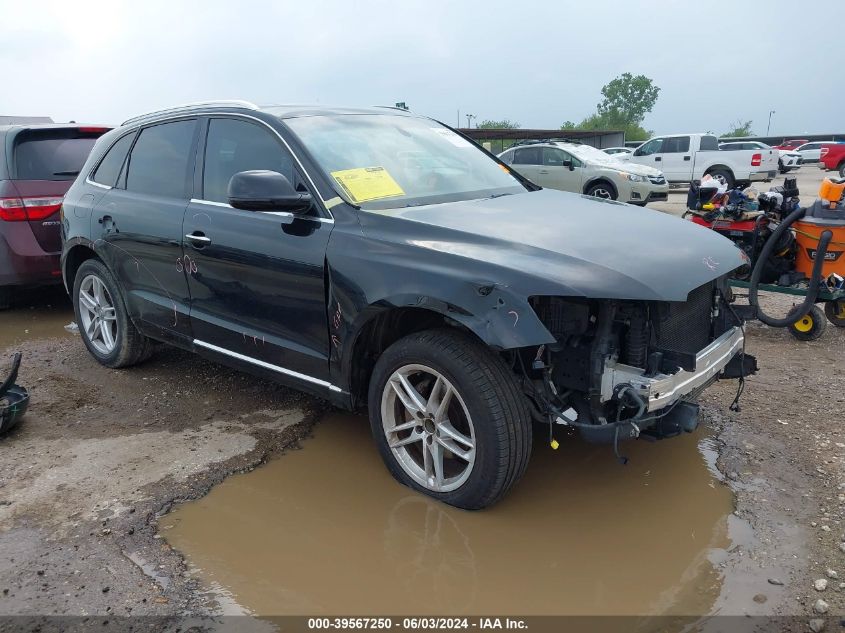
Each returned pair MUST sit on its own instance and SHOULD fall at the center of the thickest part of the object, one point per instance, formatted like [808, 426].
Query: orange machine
[826, 214]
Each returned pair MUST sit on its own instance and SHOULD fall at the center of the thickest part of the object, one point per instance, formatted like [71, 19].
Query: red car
[792, 144]
[38, 164]
[833, 157]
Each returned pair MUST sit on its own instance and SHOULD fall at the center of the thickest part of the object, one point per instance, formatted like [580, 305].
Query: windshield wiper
[66, 173]
[498, 195]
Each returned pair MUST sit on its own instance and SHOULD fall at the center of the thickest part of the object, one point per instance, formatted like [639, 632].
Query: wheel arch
[603, 180]
[72, 259]
[720, 167]
[379, 326]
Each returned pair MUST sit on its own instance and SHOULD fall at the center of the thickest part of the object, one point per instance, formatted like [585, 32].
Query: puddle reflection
[326, 530]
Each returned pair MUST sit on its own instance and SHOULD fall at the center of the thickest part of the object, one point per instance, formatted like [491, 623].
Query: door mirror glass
[263, 190]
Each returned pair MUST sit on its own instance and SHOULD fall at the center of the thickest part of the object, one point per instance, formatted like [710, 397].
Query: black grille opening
[683, 328]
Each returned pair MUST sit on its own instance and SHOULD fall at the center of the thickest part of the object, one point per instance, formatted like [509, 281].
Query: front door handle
[544, 171]
[686, 157]
[657, 159]
[198, 239]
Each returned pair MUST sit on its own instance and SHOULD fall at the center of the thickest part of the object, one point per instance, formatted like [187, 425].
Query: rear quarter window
[42, 157]
[708, 143]
[109, 168]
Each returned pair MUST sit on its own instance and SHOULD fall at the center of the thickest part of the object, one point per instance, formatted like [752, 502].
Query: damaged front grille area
[621, 367]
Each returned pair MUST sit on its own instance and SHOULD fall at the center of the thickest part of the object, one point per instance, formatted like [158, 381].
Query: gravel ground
[102, 453]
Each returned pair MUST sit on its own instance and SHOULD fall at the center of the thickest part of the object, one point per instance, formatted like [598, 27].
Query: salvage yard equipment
[14, 399]
[791, 250]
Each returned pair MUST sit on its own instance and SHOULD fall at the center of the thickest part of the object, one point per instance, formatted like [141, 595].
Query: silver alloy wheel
[601, 192]
[97, 313]
[428, 428]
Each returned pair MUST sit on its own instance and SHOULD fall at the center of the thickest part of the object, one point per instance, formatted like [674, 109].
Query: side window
[233, 146]
[109, 168]
[507, 158]
[708, 143]
[159, 161]
[554, 157]
[677, 144]
[527, 156]
[654, 146]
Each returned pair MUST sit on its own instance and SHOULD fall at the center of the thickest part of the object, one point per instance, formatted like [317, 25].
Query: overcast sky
[537, 63]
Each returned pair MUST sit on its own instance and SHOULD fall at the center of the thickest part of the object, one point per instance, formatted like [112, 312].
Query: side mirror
[263, 190]
[568, 163]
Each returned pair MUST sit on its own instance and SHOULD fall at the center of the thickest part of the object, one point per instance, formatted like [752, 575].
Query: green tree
[627, 99]
[633, 132]
[504, 124]
[739, 128]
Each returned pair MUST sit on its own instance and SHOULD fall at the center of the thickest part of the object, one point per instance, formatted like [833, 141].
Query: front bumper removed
[661, 390]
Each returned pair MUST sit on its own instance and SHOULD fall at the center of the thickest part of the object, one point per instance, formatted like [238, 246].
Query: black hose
[813, 290]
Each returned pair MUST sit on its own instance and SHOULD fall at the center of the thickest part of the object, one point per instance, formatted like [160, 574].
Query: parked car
[832, 157]
[811, 152]
[787, 160]
[792, 144]
[38, 163]
[380, 259]
[585, 169]
[688, 157]
[617, 150]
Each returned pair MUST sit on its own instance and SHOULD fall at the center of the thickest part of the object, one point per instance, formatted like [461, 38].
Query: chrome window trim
[283, 214]
[224, 114]
[88, 181]
[270, 366]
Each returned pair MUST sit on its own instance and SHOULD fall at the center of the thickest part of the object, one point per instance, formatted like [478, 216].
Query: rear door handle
[686, 157]
[657, 159]
[544, 171]
[198, 239]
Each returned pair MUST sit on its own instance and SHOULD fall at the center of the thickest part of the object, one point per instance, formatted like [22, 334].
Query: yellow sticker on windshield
[367, 183]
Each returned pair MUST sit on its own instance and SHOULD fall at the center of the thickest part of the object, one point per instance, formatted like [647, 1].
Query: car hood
[635, 168]
[553, 242]
[625, 165]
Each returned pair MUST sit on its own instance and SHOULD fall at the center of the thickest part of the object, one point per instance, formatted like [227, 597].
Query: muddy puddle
[326, 530]
[35, 314]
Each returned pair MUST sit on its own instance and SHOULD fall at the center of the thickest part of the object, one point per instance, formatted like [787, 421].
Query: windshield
[382, 161]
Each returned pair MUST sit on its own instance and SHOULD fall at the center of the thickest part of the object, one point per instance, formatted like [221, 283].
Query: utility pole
[470, 117]
[771, 112]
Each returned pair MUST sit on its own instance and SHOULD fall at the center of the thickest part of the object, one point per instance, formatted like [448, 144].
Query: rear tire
[104, 324]
[842, 170]
[467, 453]
[810, 327]
[723, 174]
[835, 312]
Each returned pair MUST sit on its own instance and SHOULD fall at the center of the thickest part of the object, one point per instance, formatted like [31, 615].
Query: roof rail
[186, 106]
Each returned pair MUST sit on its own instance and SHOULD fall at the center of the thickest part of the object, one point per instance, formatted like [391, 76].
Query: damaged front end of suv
[619, 369]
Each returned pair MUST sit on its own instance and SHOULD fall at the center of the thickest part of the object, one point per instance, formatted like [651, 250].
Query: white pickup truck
[688, 157]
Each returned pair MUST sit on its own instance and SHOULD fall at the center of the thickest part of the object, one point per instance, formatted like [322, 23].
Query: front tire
[449, 419]
[602, 190]
[104, 324]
